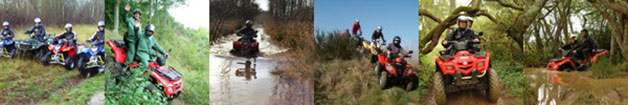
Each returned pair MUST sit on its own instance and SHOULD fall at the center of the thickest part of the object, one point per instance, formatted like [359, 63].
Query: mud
[242, 81]
[557, 87]
[470, 97]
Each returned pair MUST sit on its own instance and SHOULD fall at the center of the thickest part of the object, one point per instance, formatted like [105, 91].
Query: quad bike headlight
[481, 64]
[450, 67]
[169, 89]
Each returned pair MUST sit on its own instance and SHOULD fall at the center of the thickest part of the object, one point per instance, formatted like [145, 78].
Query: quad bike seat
[556, 59]
[599, 50]
[170, 73]
[120, 43]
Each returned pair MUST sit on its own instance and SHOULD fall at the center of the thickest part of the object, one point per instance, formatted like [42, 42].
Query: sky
[398, 18]
[263, 4]
[195, 14]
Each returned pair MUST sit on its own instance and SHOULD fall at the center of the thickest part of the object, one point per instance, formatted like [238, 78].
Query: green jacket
[148, 45]
[131, 37]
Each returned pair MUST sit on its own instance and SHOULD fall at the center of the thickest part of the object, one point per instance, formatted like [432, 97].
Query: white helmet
[357, 20]
[101, 23]
[37, 20]
[68, 25]
[464, 18]
[379, 28]
[5, 23]
[573, 36]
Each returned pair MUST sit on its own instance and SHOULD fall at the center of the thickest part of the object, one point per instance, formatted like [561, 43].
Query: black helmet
[137, 11]
[397, 40]
[149, 27]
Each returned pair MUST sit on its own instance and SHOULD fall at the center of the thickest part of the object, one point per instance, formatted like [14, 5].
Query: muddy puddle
[560, 88]
[242, 81]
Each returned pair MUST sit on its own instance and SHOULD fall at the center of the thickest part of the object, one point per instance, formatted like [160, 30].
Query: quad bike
[33, 47]
[373, 50]
[61, 53]
[464, 70]
[7, 48]
[396, 71]
[90, 61]
[566, 62]
[245, 47]
[166, 79]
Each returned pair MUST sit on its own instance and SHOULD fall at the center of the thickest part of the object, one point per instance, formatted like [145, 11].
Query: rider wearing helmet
[587, 46]
[146, 45]
[376, 35]
[134, 28]
[68, 35]
[38, 30]
[98, 39]
[461, 33]
[394, 49]
[571, 45]
[7, 33]
[247, 32]
[355, 28]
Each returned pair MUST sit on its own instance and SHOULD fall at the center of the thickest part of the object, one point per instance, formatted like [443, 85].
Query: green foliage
[603, 68]
[511, 76]
[189, 55]
[538, 58]
[131, 88]
[334, 45]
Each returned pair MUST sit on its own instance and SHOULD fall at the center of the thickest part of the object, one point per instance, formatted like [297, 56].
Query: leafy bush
[334, 45]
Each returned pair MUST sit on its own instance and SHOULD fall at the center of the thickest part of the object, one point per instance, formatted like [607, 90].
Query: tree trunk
[116, 20]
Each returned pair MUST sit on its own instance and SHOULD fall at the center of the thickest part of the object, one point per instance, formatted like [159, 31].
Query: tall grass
[226, 27]
[343, 76]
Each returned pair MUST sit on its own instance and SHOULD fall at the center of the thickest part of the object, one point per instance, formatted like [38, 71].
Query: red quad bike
[245, 47]
[166, 79]
[565, 62]
[61, 53]
[464, 71]
[396, 71]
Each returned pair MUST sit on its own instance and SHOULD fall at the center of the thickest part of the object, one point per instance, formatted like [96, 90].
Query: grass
[28, 81]
[343, 76]
[189, 56]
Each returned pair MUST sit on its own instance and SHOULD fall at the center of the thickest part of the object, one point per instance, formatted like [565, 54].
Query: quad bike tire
[492, 93]
[46, 59]
[439, 88]
[383, 79]
[70, 63]
[81, 66]
[377, 68]
[413, 83]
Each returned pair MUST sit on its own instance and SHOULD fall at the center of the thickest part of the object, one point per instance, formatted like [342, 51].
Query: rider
[68, 35]
[7, 33]
[587, 46]
[571, 45]
[38, 29]
[376, 35]
[355, 28]
[98, 39]
[134, 27]
[460, 34]
[247, 32]
[395, 50]
[146, 45]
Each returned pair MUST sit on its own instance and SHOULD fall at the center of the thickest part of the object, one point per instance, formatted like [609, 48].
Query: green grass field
[28, 81]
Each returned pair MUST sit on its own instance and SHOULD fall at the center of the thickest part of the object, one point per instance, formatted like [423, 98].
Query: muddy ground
[564, 88]
[242, 81]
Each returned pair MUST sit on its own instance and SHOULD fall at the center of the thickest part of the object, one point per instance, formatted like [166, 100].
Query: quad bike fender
[119, 54]
[170, 87]
[594, 57]
[254, 46]
[237, 45]
[480, 62]
[555, 65]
